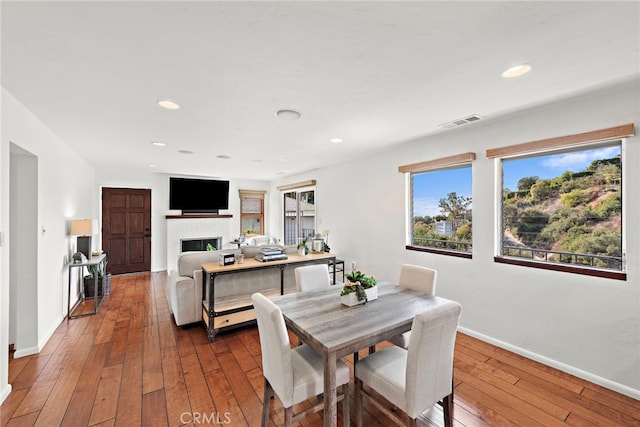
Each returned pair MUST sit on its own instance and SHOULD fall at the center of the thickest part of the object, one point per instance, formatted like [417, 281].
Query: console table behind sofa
[226, 299]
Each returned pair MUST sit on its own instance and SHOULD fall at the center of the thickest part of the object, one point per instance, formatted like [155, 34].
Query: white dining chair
[312, 277]
[295, 375]
[416, 378]
[418, 278]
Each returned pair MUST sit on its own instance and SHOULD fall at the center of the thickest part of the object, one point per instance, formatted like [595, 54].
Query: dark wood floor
[130, 365]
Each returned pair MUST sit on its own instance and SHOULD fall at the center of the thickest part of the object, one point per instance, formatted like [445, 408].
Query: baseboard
[26, 352]
[604, 382]
[37, 349]
[5, 392]
[47, 337]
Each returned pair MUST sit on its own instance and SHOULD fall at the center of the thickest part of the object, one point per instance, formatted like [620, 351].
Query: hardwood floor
[130, 365]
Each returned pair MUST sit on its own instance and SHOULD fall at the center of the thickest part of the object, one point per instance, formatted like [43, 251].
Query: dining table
[335, 330]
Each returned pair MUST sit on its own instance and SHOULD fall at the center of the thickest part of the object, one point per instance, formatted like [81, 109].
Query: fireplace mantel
[196, 216]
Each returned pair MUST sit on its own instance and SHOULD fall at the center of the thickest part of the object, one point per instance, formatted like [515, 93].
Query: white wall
[581, 324]
[159, 185]
[66, 190]
[5, 387]
[23, 244]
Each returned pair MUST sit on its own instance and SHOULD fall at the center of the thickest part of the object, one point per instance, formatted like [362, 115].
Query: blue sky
[430, 187]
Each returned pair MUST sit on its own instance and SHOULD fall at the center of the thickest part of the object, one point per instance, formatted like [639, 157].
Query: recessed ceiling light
[517, 70]
[185, 151]
[158, 143]
[152, 165]
[336, 140]
[288, 114]
[223, 156]
[168, 104]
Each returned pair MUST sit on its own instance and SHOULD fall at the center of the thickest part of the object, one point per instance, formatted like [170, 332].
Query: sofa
[185, 283]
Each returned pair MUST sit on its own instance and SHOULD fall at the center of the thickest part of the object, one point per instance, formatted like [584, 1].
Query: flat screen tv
[192, 195]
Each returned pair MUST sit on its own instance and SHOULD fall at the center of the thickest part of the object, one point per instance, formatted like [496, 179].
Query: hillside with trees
[576, 212]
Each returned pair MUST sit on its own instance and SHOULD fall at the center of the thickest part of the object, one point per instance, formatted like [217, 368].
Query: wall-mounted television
[192, 195]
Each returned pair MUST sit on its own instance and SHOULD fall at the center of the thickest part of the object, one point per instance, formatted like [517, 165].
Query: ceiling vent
[460, 122]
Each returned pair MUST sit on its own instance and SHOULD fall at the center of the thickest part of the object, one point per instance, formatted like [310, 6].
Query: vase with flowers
[358, 289]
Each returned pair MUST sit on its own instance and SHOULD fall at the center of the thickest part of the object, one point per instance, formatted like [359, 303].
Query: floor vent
[460, 122]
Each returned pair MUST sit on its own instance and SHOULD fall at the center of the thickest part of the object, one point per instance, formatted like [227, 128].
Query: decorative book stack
[270, 254]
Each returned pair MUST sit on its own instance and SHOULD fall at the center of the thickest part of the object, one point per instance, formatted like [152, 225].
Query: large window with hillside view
[441, 205]
[564, 208]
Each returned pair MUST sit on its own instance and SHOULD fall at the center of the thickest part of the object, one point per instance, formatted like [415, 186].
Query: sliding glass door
[299, 209]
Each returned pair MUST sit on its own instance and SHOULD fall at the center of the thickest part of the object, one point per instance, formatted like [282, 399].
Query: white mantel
[195, 226]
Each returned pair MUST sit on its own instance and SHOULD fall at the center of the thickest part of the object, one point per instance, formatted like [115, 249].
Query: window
[562, 204]
[440, 219]
[251, 212]
[299, 211]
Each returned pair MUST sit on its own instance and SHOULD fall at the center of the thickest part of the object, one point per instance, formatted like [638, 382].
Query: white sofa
[185, 283]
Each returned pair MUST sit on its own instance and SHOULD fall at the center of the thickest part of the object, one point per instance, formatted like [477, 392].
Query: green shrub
[596, 242]
[529, 224]
[608, 207]
[463, 233]
[541, 191]
[576, 197]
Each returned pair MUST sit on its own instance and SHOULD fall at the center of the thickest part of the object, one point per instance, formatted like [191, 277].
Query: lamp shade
[83, 227]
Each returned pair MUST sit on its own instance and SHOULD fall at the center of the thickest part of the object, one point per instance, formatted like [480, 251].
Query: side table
[336, 266]
[97, 298]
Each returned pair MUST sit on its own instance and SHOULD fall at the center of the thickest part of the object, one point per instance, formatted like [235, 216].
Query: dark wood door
[126, 229]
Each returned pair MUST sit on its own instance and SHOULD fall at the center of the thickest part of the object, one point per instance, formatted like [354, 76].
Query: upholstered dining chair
[295, 375]
[312, 277]
[416, 378]
[418, 278]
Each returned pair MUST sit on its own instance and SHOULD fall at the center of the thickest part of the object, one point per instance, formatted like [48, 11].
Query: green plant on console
[97, 270]
[303, 244]
[357, 282]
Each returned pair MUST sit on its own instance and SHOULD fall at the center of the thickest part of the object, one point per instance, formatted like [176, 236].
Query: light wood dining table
[334, 330]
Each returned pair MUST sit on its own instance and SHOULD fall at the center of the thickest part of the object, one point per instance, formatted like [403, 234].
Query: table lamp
[84, 229]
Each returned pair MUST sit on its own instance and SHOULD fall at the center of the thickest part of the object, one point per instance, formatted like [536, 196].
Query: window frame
[574, 142]
[444, 163]
[298, 188]
[252, 194]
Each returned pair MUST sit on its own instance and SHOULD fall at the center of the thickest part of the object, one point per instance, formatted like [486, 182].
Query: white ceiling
[372, 73]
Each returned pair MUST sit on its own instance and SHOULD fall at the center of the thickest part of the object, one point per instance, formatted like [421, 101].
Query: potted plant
[358, 289]
[302, 247]
[104, 280]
